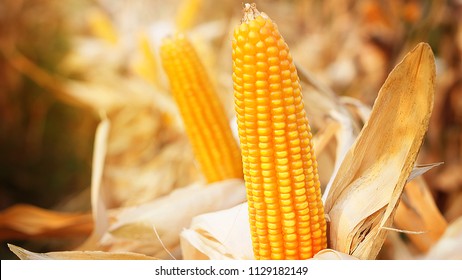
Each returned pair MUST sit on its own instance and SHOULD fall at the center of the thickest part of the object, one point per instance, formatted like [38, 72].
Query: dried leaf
[25, 221]
[345, 137]
[369, 183]
[23, 254]
[97, 201]
[151, 227]
[421, 169]
[357, 108]
[220, 235]
[418, 212]
[327, 113]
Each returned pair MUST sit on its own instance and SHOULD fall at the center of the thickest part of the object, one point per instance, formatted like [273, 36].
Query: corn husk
[154, 228]
[369, 184]
[419, 216]
[219, 235]
[24, 254]
[335, 122]
[23, 220]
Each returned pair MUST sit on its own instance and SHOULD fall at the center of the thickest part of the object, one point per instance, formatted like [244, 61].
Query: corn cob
[147, 67]
[280, 170]
[205, 121]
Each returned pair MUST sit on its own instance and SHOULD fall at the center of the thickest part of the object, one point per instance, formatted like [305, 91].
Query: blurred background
[66, 65]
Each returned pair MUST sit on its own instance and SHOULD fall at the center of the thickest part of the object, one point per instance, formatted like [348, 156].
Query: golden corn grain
[280, 169]
[205, 121]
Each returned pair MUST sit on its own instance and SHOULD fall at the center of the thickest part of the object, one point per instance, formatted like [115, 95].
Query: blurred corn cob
[205, 121]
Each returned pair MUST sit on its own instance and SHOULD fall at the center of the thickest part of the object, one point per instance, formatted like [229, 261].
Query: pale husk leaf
[329, 254]
[359, 109]
[418, 212]
[369, 183]
[97, 201]
[330, 115]
[24, 254]
[99, 210]
[421, 169]
[225, 235]
[154, 228]
[220, 235]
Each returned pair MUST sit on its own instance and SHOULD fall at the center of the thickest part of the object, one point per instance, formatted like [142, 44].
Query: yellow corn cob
[280, 170]
[204, 117]
[146, 67]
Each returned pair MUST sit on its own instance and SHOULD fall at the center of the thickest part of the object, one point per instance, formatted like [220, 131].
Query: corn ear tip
[177, 36]
[251, 12]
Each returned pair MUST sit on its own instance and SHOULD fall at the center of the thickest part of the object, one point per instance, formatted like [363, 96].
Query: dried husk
[24, 254]
[419, 216]
[370, 181]
[329, 254]
[420, 169]
[154, 228]
[26, 221]
[335, 124]
[145, 133]
[221, 235]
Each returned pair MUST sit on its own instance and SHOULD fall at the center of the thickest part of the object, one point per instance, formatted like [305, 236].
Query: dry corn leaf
[97, 200]
[449, 247]
[357, 108]
[25, 221]
[23, 254]
[130, 184]
[369, 183]
[337, 126]
[154, 228]
[344, 139]
[219, 235]
[421, 169]
[418, 212]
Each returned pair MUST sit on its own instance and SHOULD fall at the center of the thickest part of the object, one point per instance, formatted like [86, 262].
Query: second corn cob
[204, 117]
[280, 170]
